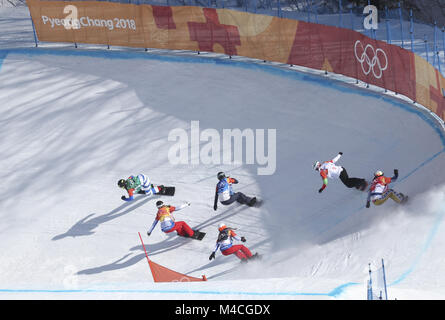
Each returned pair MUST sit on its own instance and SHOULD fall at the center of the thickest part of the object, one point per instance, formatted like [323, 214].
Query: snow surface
[73, 122]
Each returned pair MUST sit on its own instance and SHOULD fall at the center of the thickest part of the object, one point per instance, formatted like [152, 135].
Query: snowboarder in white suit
[328, 169]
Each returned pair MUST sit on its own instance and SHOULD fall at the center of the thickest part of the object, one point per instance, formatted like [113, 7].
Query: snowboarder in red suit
[168, 223]
[225, 244]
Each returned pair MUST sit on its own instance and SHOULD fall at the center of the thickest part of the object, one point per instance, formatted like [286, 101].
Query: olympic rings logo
[371, 59]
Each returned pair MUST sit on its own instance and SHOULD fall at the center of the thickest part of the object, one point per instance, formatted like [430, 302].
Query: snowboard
[404, 200]
[258, 202]
[198, 235]
[167, 191]
[164, 191]
[363, 187]
[255, 256]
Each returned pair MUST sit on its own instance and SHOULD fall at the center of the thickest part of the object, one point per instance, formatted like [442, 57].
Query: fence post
[369, 283]
[33, 31]
[443, 42]
[388, 31]
[384, 280]
[425, 39]
[315, 14]
[340, 20]
[352, 19]
[308, 12]
[411, 28]
[370, 31]
[435, 46]
[401, 23]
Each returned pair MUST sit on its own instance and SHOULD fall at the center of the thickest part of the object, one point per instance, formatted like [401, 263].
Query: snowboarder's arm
[368, 199]
[232, 180]
[130, 195]
[337, 157]
[396, 175]
[182, 206]
[215, 203]
[212, 255]
[152, 226]
[325, 180]
[233, 235]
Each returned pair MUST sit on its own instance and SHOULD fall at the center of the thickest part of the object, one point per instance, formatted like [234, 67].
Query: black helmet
[221, 175]
[121, 183]
[159, 204]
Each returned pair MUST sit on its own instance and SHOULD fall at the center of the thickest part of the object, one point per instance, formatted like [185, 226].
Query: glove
[321, 190]
[148, 233]
[243, 239]
[212, 256]
[396, 173]
[123, 198]
[368, 204]
[215, 207]
[340, 153]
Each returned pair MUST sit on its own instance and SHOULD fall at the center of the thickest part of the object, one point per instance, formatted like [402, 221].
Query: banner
[316, 46]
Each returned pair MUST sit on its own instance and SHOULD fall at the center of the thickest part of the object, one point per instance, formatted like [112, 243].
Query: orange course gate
[333, 49]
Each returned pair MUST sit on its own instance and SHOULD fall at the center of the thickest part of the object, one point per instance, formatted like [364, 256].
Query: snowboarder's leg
[397, 197]
[236, 249]
[239, 251]
[241, 255]
[383, 199]
[246, 251]
[242, 198]
[174, 228]
[238, 197]
[183, 229]
[351, 182]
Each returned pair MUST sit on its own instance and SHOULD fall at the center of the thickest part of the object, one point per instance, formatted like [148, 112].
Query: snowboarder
[168, 223]
[225, 244]
[141, 184]
[226, 195]
[379, 191]
[328, 169]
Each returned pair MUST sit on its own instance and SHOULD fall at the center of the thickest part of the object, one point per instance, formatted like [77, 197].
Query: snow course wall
[328, 48]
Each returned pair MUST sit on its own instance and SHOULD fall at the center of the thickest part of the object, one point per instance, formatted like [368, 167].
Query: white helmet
[316, 165]
[378, 173]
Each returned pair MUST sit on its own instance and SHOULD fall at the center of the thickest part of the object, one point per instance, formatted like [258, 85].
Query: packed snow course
[73, 122]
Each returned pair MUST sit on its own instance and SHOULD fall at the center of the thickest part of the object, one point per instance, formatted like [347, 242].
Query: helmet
[221, 227]
[221, 175]
[316, 165]
[378, 173]
[121, 183]
[159, 204]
